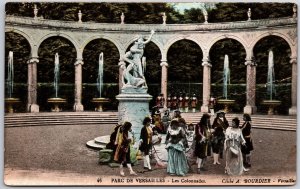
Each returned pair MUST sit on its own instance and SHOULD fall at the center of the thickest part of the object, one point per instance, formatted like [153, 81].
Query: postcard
[150, 94]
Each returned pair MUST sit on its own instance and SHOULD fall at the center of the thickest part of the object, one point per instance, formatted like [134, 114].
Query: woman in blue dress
[177, 161]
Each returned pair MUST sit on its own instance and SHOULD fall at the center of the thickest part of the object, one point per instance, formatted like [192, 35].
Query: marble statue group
[133, 73]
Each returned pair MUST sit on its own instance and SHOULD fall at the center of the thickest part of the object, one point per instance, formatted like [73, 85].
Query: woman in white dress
[233, 141]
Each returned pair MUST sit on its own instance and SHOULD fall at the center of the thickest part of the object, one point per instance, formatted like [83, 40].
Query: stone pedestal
[293, 110]
[250, 109]
[133, 107]
[33, 108]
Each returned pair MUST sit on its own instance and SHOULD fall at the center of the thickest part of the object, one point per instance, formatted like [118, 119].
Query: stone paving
[58, 155]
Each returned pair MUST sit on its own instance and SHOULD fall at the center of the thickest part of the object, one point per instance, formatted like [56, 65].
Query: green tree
[230, 12]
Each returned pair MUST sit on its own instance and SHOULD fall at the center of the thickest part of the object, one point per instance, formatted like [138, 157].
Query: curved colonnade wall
[247, 33]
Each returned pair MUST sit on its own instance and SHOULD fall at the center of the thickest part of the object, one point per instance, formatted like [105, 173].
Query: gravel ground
[62, 150]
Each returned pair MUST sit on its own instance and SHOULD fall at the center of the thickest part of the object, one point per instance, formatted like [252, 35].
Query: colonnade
[250, 66]
[123, 35]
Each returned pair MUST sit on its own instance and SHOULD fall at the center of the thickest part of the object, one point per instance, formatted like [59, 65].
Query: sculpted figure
[133, 74]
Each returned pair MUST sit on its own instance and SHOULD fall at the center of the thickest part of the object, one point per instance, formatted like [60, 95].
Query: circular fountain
[226, 103]
[99, 101]
[10, 101]
[271, 103]
[9, 104]
[226, 80]
[56, 101]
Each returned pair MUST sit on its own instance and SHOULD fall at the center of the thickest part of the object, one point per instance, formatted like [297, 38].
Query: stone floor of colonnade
[57, 155]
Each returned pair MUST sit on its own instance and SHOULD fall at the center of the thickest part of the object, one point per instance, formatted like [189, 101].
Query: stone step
[41, 123]
[271, 122]
[79, 118]
[287, 123]
[59, 118]
[240, 116]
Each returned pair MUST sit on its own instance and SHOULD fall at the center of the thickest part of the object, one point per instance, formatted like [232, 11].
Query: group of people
[233, 139]
[182, 102]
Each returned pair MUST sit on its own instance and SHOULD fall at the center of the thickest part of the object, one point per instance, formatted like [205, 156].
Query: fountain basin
[56, 102]
[9, 104]
[99, 103]
[226, 103]
[271, 104]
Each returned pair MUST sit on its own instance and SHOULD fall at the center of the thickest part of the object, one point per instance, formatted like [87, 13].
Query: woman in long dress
[246, 150]
[177, 161]
[233, 141]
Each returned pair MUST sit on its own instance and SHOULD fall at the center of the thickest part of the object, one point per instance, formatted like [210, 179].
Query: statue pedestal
[133, 107]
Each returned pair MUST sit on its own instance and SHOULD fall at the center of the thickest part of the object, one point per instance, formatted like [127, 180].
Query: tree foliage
[230, 12]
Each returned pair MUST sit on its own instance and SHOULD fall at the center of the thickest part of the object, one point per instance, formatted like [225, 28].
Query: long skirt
[234, 159]
[177, 161]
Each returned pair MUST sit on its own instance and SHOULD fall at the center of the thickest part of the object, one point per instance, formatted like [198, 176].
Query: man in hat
[211, 104]
[159, 127]
[160, 101]
[194, 102]
[186, 102]
[219, 126]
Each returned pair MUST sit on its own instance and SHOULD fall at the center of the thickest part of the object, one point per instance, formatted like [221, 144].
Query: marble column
[164, 81]
[32, 85]
[293, 109]
[122, 67]
[78, 107]
[206, 84]
[250, 107]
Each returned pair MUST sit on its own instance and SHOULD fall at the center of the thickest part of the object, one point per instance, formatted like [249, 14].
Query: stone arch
[185, 55]
[227, 36]
[184, 37]
[73, 41]
[118, 45]
[267, 34]
[283, 71]
[25, 35]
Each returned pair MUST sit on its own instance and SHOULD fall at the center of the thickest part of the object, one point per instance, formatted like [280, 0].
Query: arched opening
[111, 58]
[45, 72]
[236, 88]
[153, 70]
[21, 49]
[282, 71]
[185, 70]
